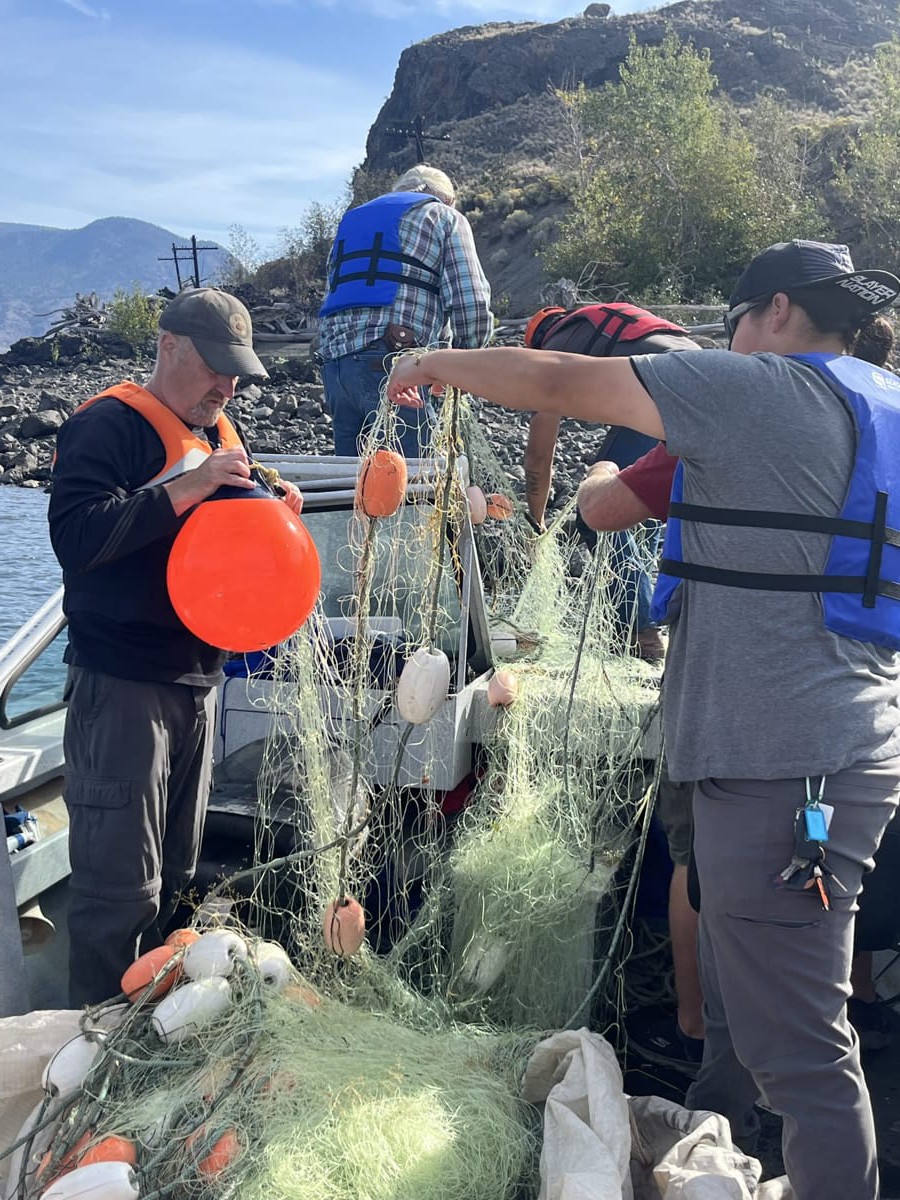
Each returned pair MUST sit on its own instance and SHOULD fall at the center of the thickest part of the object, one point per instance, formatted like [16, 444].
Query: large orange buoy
[137, 982]
[381, 487]
[344, 925]
[243, 572]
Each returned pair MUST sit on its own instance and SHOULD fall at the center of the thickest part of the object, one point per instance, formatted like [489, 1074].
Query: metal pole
[196, 260]
[177, 269]
[13, 980]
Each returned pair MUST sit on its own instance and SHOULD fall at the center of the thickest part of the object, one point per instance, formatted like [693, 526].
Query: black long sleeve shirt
[112, 541]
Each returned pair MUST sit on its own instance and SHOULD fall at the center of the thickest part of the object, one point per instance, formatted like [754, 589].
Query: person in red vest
[131, 464]
[604, 330]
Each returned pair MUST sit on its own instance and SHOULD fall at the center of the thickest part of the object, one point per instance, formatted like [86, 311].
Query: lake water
[29, 573]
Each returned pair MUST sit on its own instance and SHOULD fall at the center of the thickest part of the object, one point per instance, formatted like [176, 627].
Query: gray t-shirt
[755, 686]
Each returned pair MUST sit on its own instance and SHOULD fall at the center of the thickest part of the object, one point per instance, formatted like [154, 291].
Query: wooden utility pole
[416, 131]
[182, 253]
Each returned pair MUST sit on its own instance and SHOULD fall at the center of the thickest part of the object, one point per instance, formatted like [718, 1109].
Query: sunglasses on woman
[732, 317]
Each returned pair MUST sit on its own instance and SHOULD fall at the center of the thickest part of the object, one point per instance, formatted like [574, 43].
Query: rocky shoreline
[40, 386]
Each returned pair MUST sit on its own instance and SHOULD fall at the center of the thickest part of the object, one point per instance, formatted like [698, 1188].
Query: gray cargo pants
[138, 772]
[775, 972]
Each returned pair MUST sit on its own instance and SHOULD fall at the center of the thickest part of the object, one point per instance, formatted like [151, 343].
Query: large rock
[19, 467]
[41, 424]
[803, 46]
[50, 401]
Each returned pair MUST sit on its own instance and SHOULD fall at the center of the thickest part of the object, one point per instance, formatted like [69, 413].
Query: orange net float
[344, 925]
[477, 502]
[243, 573]
[140, 983]
[180, 939]
[110, 1149]
[381, 487]
[502, 689]
[499, 507]
[221, 1154]
[67, 1163]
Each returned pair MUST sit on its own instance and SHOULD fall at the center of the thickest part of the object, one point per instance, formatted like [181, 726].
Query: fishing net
[491, 852]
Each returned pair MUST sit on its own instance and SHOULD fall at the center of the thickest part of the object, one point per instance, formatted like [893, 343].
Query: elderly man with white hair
[403, 272]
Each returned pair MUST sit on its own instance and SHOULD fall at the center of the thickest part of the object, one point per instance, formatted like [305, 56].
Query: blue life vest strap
[868, 586]
[374, 255]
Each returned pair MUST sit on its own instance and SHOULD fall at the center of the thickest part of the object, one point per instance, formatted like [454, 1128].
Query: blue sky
[200, 114]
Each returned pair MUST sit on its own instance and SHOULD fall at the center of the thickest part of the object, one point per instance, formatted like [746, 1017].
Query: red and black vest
[598, 329]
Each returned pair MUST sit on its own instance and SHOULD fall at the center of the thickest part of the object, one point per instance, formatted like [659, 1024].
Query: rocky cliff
[489, 88]
[812, 50]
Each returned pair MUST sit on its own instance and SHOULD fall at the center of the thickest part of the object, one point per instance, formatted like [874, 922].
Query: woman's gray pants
[775, 970]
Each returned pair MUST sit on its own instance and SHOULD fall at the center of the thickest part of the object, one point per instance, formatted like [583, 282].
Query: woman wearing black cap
[781, 584]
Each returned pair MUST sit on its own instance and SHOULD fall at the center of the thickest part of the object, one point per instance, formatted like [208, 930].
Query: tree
[867, 183]
[675, 202]
[789, 157]
[305, 247]
[244, 259]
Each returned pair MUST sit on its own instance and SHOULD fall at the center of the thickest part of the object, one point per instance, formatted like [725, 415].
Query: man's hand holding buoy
[292, 497]
[223, 468]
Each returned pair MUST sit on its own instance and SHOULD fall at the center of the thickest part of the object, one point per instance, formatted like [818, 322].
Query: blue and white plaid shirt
[441, 237]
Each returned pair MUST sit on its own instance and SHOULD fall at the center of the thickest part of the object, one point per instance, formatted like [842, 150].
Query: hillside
[42, 268]
[490, 88]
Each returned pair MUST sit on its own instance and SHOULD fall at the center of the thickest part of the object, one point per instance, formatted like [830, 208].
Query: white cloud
[85, 9]
[192, 140]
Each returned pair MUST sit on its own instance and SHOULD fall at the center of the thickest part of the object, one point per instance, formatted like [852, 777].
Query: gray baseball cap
[219, 325]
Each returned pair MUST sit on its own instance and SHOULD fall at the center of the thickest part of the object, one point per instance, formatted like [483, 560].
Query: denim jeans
[631, 556]
[353, 395]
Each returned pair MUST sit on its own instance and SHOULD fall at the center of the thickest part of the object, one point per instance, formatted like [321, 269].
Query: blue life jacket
[367, 264]
[860, 588]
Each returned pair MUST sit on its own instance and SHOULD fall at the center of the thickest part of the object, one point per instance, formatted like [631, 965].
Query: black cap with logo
[789, 266]
[219, 325]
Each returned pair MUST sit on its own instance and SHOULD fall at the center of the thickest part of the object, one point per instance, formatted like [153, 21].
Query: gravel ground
[285, 414]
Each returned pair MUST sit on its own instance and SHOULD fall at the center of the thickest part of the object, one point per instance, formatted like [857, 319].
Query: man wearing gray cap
[780, 581]
[131, 464]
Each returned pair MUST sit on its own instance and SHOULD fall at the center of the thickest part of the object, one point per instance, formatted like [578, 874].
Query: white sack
[587, 1137]
[599, 1145]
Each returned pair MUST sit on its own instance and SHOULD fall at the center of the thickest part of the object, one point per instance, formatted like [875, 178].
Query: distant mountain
[42, 268]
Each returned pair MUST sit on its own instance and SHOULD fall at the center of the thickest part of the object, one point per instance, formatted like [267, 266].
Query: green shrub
[517, 222]
[133, 317]
[672, 193]
[867, 176]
